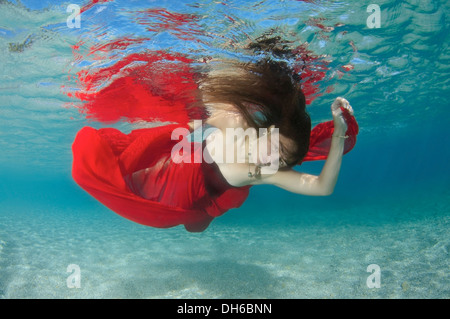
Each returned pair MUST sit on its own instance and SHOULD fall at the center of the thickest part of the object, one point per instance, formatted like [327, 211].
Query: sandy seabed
[312, 257]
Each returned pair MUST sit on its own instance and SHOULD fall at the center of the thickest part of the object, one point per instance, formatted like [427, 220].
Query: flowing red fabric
[320, 140]
[134, 174]
[150, 87]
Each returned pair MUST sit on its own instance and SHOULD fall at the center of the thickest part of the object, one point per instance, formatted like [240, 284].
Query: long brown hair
[266, 92]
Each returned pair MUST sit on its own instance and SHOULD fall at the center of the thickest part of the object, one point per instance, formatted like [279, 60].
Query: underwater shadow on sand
[226, 278]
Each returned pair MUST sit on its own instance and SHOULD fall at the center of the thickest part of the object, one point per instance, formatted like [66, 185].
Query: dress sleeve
[320, 140]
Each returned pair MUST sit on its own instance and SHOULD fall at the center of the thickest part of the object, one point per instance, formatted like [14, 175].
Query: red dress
[167, 193]
[134, 175]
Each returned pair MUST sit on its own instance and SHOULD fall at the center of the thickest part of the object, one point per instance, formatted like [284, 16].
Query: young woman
[144, 177]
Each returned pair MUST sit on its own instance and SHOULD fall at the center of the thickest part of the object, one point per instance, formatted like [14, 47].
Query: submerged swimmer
[137, 176]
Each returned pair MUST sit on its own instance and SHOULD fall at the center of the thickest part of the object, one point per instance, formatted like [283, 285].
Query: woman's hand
[340, 126]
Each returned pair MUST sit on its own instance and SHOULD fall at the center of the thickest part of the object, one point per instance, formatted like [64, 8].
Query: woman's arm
[323, 184]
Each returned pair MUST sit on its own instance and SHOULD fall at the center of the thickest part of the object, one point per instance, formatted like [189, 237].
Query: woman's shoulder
[236, 174]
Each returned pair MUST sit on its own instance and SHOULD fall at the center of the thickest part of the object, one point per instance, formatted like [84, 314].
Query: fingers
[341, 102]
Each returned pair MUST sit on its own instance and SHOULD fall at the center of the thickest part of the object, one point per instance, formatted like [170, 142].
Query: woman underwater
[173, 175]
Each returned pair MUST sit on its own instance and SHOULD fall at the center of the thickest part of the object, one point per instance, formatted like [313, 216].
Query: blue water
[391, 205]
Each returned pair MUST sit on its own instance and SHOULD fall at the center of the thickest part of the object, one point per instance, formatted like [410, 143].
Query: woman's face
[267, 150]
[239, 146]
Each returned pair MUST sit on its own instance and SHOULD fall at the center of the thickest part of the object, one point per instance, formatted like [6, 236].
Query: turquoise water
[391, 205]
